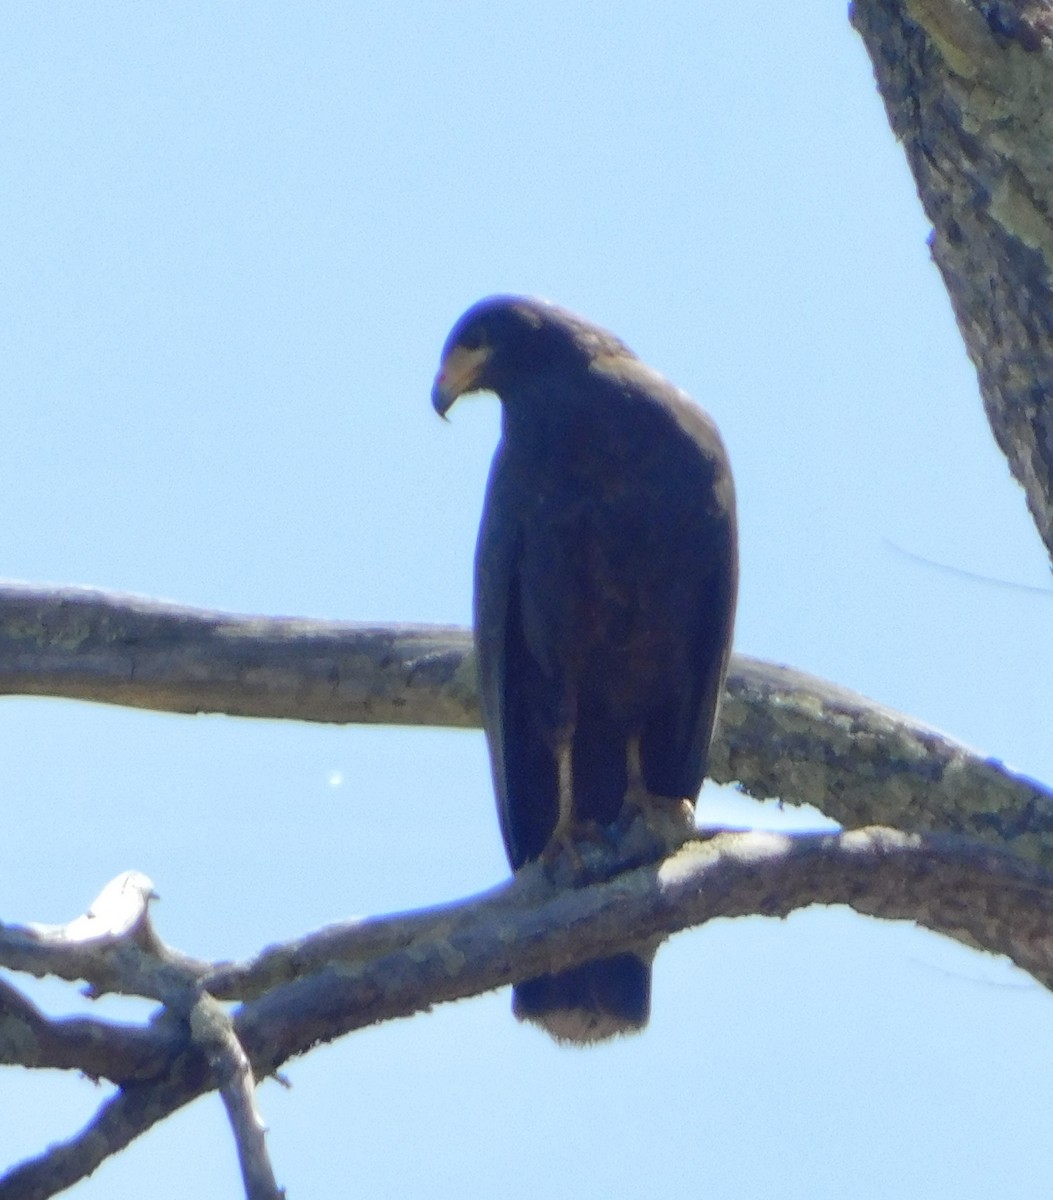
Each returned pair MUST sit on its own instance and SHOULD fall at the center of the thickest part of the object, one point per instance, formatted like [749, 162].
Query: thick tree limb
[82, 644]
[99, 1049]
[783, 734]
[968, 86]
[961, 888]
[405, 964]
[790, 736]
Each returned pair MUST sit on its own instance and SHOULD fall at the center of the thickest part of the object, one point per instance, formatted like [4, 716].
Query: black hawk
[605, 581]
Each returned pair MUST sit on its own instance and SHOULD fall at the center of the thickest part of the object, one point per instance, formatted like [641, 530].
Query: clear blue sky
[232, 240]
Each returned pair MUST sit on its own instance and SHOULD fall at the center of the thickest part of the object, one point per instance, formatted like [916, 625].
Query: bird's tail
[597, 1000]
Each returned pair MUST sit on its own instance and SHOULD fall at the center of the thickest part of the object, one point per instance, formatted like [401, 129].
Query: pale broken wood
[119, 911]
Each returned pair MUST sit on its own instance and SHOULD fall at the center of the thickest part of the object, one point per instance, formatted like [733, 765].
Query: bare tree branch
[783, 734]
[112, 946]
[121, 1119]
[790, 736]
[118, 649]
[99, 1049]
[969, 91]
[116, 935]
[213, 1031]
[969, 891]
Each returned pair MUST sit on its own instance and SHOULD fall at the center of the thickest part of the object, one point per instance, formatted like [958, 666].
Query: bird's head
[504, 339]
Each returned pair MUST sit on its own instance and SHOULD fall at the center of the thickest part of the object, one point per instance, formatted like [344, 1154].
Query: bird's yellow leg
[636, 790]
[668, 820]
[565, 777]
[561, 842]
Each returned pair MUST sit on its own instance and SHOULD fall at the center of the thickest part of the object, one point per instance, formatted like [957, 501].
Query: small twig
[213, 1031]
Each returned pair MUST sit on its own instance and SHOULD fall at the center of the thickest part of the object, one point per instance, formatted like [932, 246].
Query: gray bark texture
[968, 87]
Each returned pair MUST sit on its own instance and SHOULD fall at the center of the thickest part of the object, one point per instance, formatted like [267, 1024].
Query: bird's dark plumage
[605, 583]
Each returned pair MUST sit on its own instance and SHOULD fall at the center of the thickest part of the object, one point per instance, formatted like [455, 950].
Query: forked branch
[357, 974]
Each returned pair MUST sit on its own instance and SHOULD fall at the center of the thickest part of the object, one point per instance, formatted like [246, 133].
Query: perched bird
[605, 580]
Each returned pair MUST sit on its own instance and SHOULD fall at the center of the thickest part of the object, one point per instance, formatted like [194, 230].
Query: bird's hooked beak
[459, 372]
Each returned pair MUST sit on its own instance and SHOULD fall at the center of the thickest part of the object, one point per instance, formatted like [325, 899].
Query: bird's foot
[561, 859]
[647, 829]
[581, 854]
[651, 827]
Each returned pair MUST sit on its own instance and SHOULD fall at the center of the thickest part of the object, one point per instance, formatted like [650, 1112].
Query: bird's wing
[710, 654]
[700, 614]
[521, 758]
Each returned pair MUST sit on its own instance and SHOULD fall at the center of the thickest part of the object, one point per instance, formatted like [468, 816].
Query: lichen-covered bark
[787, 735]
[357, 974]
[782, 734]
[128, 650]
[968, 86]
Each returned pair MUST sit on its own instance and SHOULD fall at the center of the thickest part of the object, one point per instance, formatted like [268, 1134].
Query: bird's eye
[472, 339]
